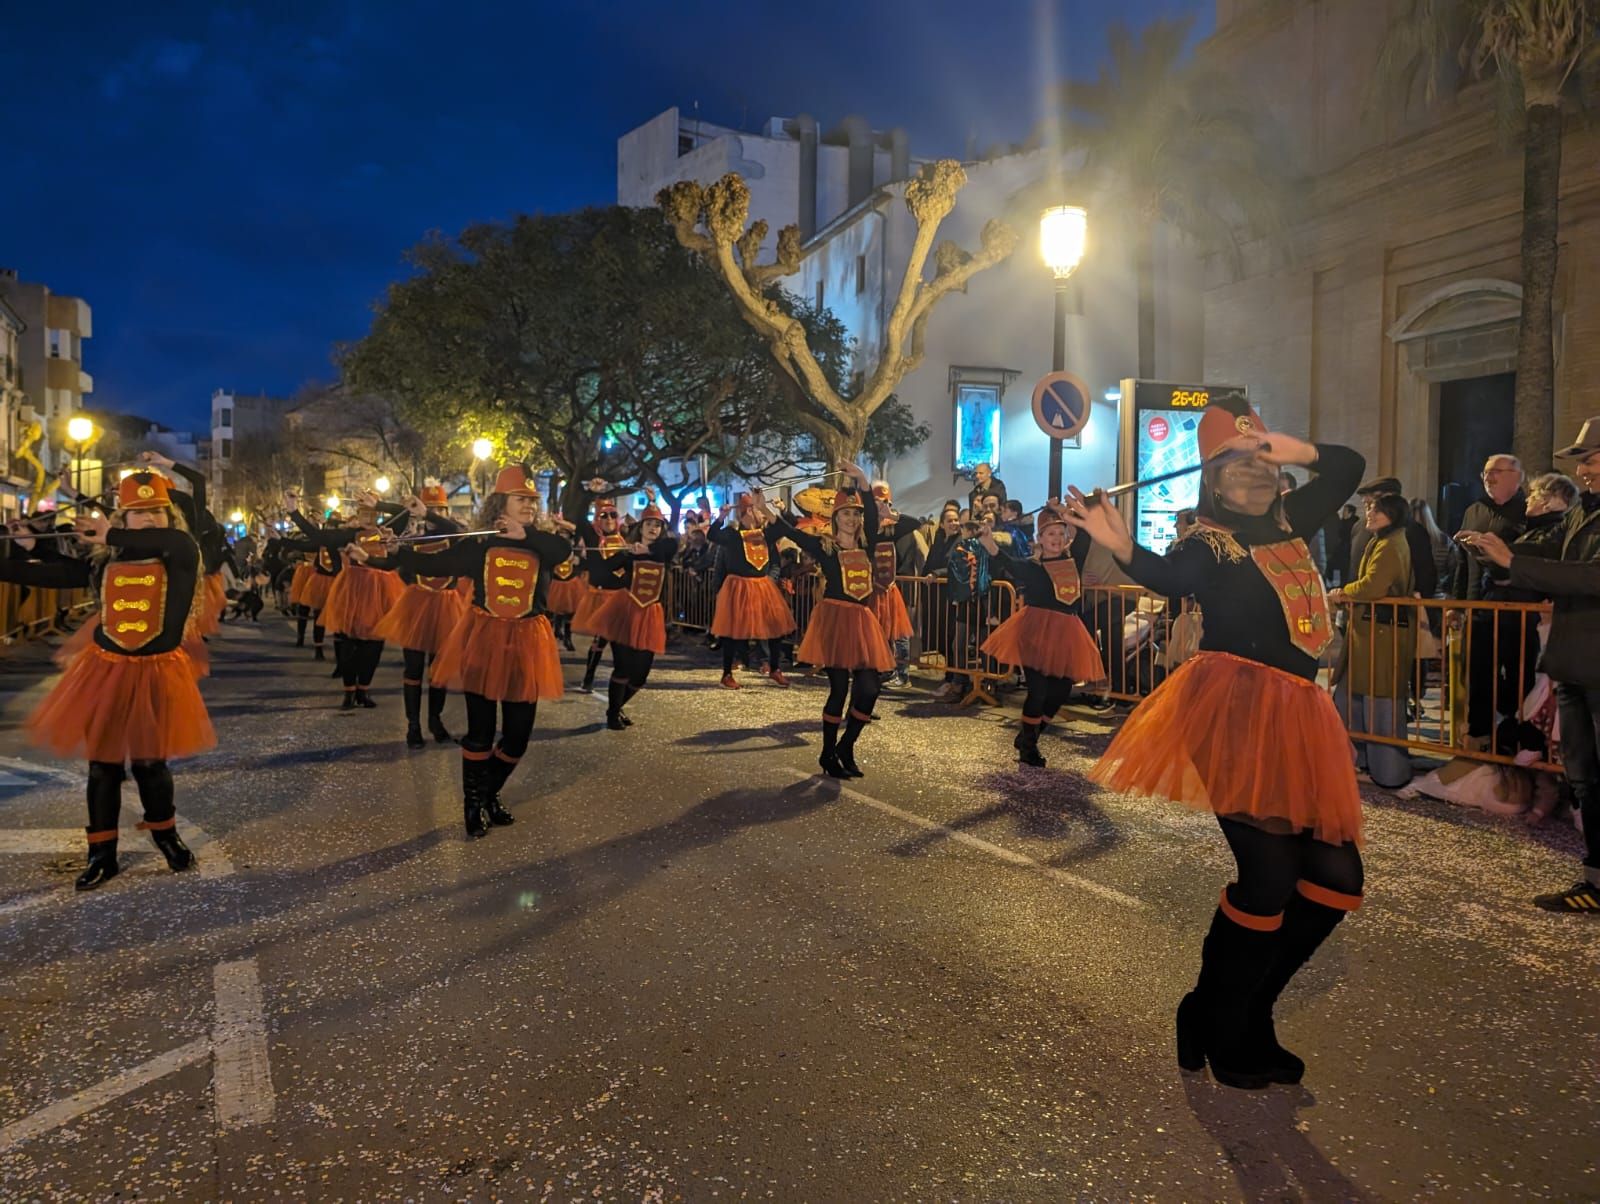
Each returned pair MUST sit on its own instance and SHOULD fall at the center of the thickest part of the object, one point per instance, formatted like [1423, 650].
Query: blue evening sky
[231, 186]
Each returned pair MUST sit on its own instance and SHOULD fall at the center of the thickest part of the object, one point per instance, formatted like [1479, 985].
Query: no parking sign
[1061, 405]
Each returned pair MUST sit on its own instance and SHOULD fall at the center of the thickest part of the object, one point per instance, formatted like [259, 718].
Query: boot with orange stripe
[156, 795]
[854, 724]
[1312, 915]
[475, 777]
[105, 804]
[1212, 1022]
[500, 767]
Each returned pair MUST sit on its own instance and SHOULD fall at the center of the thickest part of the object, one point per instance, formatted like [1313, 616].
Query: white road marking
[213, 858]
[1000, 852]
[242, 1075]
[66, 1110]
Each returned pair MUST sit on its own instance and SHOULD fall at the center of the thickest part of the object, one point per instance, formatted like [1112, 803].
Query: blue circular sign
[1061, 405]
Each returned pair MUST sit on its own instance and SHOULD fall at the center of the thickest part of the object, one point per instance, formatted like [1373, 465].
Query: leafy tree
[1539, 54]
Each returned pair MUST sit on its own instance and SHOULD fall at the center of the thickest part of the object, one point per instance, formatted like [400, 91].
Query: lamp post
[1063, 233]
[482, 449]
[80, 430]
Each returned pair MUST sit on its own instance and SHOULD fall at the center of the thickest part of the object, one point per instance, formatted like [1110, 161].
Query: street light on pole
[1063, 234]
[381, 485]
[80, 430]
[482, 449]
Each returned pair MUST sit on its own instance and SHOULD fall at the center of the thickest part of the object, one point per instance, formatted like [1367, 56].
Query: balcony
[70, 313]
[66, 374]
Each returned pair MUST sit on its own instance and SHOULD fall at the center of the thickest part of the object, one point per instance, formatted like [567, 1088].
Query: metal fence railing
[27, 612]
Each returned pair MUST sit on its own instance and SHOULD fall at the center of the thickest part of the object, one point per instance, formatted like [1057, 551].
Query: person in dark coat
[1565, 566]
[984, 484]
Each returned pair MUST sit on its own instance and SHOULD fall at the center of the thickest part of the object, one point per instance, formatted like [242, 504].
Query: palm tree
[1168, 140]
[1538, 52]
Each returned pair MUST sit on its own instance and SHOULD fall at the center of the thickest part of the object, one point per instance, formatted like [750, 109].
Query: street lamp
[482, 449]
[1063, 233]
[331, 502]
[236, 517]
[381, 485]
[80, 430]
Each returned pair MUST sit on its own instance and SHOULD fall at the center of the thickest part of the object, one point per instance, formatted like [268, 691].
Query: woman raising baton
[1243, 729]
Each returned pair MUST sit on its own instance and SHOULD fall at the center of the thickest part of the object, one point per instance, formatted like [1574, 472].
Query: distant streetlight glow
[1063, 234]
[332, 501]
[381, 484]
[80, 429]
[236, 517]
[482, 449]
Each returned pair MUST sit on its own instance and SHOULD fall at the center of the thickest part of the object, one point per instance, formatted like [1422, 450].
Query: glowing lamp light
[332, 501]
[125, 473]
[381, 484]
[80, 429]
[236, 517]
[482, 449]
[1063, 234]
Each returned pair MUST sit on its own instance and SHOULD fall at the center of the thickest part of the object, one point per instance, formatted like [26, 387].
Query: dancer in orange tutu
[750, 606]
[502, 655]
[888, 603]
[605, 570]
[425, 614]
[325, 567]
[568, 588]
[844, 636]
[208, 533]
[1244, 730]
[1046, 636]
[362, 592]
[129, 698]
[633, 619]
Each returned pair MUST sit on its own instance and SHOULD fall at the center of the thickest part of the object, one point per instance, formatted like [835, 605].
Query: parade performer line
[1011, 856]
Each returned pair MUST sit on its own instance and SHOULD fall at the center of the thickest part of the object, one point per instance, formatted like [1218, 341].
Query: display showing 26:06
[1190, 399]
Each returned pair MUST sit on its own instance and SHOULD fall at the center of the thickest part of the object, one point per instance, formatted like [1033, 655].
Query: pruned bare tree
[715, 222]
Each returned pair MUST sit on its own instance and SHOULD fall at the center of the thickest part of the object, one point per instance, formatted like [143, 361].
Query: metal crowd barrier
[949, 633]
[1446, 694]
[28, 612]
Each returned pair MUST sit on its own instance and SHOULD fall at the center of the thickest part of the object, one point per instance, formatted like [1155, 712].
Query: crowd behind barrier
[29, 613]
[1460, 680]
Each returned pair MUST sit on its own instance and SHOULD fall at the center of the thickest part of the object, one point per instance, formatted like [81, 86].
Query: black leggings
[516, 726]
[860, 686]
[358, 661]
[632, 665]
[1046, 694]
[1271, 864]
[740, 648]
[156, 792]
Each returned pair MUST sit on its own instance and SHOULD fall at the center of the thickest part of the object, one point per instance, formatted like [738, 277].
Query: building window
[58, 339]
[819, 296]
[227, 448]
[861, 274]
[225, 417]
[685, 143]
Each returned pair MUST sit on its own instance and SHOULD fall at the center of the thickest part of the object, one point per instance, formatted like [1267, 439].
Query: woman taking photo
[1380, 645]
[129, 697]
[1242, 729]
[843, 637]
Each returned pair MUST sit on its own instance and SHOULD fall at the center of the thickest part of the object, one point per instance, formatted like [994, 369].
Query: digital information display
[1166, 424]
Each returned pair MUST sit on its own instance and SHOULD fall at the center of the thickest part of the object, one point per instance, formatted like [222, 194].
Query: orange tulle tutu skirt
[593, 599]
[316, 591]
[751, 608]
[1244, 740]
[109, 707]
[508, 660]
[565, 597]
[213, 602]
[1052, 643]
[843, 635]
[297, 584]
[199, 654]
[359, 599]
[422, 618]
[621, 620]
[890, 607]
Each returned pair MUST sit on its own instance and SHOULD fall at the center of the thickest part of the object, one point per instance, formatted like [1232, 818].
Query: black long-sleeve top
[619, 564]
[504, 583]
[435, 524]
[606, 567]
[208, 532]
[1245, 615]
[735, 563]
[328, 540]
[149, 581]
[1033, 580]
[828, 555]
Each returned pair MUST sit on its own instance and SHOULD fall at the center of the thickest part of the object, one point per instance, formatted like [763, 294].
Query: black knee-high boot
[156, 794]
[829, 760]
[616, 699]
[1306, 924]
[591, 665]
[853, 726]
[300, 630]
[436, 727]
[475, 772]
[317, 634]
[500, 769]
[105, 805]
[1213, 1024]
[412, 692]
[1027, 744]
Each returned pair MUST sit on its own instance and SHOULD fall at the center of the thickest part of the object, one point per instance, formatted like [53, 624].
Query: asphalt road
[693, 970]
